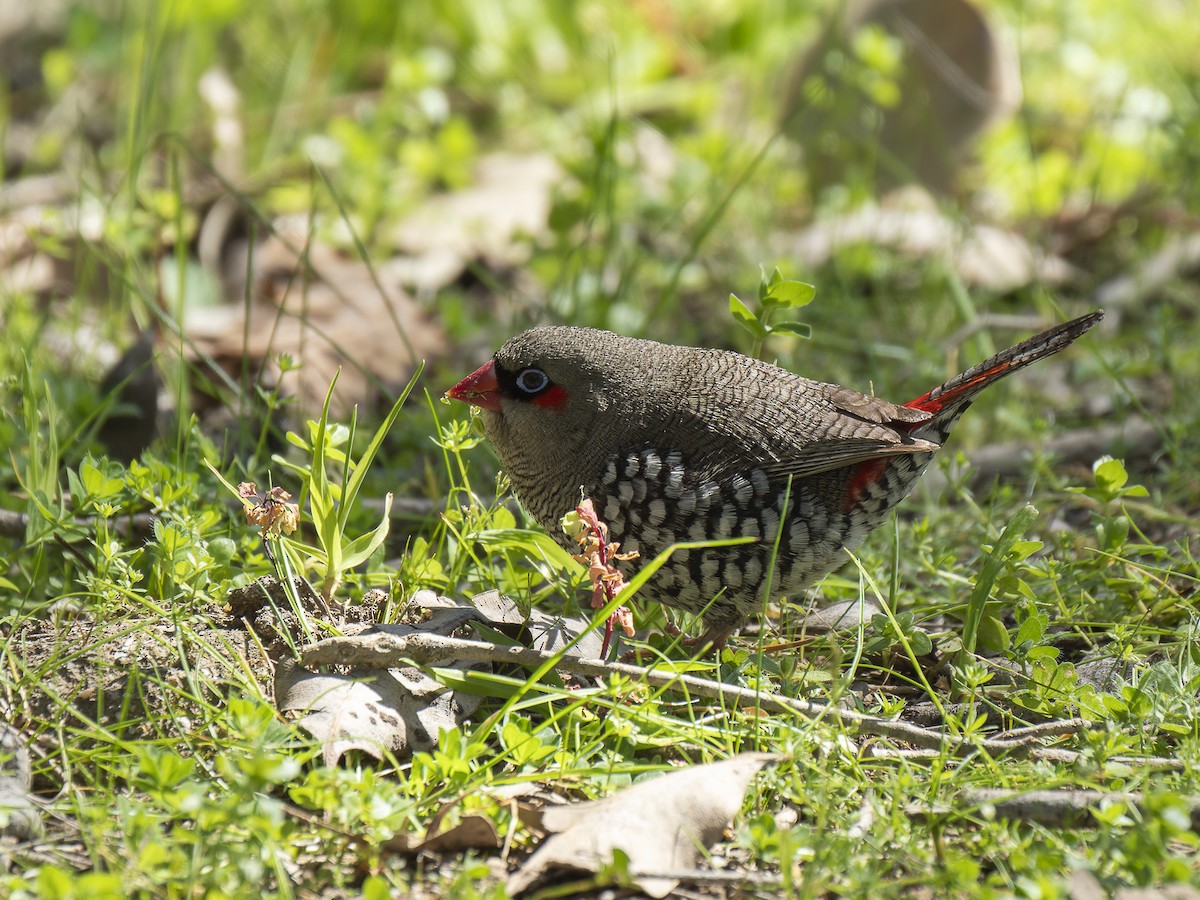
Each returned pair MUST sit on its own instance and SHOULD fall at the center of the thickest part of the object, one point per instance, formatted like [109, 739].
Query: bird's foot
[711, 641]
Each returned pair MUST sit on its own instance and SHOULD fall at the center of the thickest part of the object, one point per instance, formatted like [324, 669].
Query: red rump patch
[554, 398]
[868, 472]
[941, 402]
[865, 474]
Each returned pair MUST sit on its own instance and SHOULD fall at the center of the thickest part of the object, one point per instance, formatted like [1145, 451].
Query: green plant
[331, 501]
[774, 295]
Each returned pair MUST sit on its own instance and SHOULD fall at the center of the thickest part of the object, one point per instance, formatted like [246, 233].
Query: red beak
[480, 388]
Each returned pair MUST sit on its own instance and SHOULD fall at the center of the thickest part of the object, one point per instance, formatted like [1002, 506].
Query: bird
[678, 444]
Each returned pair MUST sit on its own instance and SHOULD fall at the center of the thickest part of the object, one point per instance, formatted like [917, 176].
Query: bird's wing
[871, 409]
[824, 456]
[833, 427]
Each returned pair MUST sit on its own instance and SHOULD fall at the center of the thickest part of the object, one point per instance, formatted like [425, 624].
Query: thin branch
[1045, 754]
[1052, 808]
[381, 651]
[1056, 728]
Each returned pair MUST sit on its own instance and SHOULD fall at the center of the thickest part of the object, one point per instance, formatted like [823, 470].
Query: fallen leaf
[396, 711]
[440, 615]
[539, 630]
[325, 310]
[18, 811]
[841, 616]
[489, 221]
[662, 825]
[984, 256]
[473, 832]
[401, 710]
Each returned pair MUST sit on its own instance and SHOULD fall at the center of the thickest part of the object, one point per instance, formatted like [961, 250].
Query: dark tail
[948, 400]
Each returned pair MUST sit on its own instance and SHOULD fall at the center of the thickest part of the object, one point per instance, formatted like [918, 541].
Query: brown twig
[379, 650]
[1052, 808]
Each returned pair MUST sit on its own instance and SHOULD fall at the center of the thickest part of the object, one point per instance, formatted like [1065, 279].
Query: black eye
[532, 381]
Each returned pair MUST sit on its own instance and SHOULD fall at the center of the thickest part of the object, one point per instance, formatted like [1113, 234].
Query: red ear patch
[555, 397]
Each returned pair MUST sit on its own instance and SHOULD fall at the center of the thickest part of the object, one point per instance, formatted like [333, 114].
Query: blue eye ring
[532, 380]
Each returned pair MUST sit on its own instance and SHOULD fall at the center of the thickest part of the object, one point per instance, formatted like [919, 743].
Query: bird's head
[548, 390]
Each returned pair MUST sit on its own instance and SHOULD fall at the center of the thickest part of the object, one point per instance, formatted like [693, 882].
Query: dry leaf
[841, 616]
[539, 630]
[402, 710]
[325, 311]
[441, 615]
[396, 711]
[17, 807]
[473, 832]
[662, 825]
[982, 255]
[490, 221]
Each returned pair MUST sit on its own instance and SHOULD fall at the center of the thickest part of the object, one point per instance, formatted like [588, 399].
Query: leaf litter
[662, 825]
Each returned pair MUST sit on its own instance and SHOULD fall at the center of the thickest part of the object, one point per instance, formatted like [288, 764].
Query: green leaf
[359, 550]
[1022, 550]
[324, 518]
[535, 542]
[1110, 475]
[96, 484]
[502, 518]
[1112, 533]
[524, 747]
[920, 642]
[799, 329]
[742, 315]
[1114, 704]
[767, 283]
[1062, 682]
[1042, 653]
[993, 636]
[1113, 815]
[1033, 629]
[1013, 532]
[792, 294]
[336, 434]
[354, 484]
[163, 768]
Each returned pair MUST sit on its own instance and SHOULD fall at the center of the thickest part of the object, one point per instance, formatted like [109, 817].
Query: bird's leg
[712, 640]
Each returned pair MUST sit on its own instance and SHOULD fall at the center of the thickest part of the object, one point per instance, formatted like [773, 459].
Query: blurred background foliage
[696, 143]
